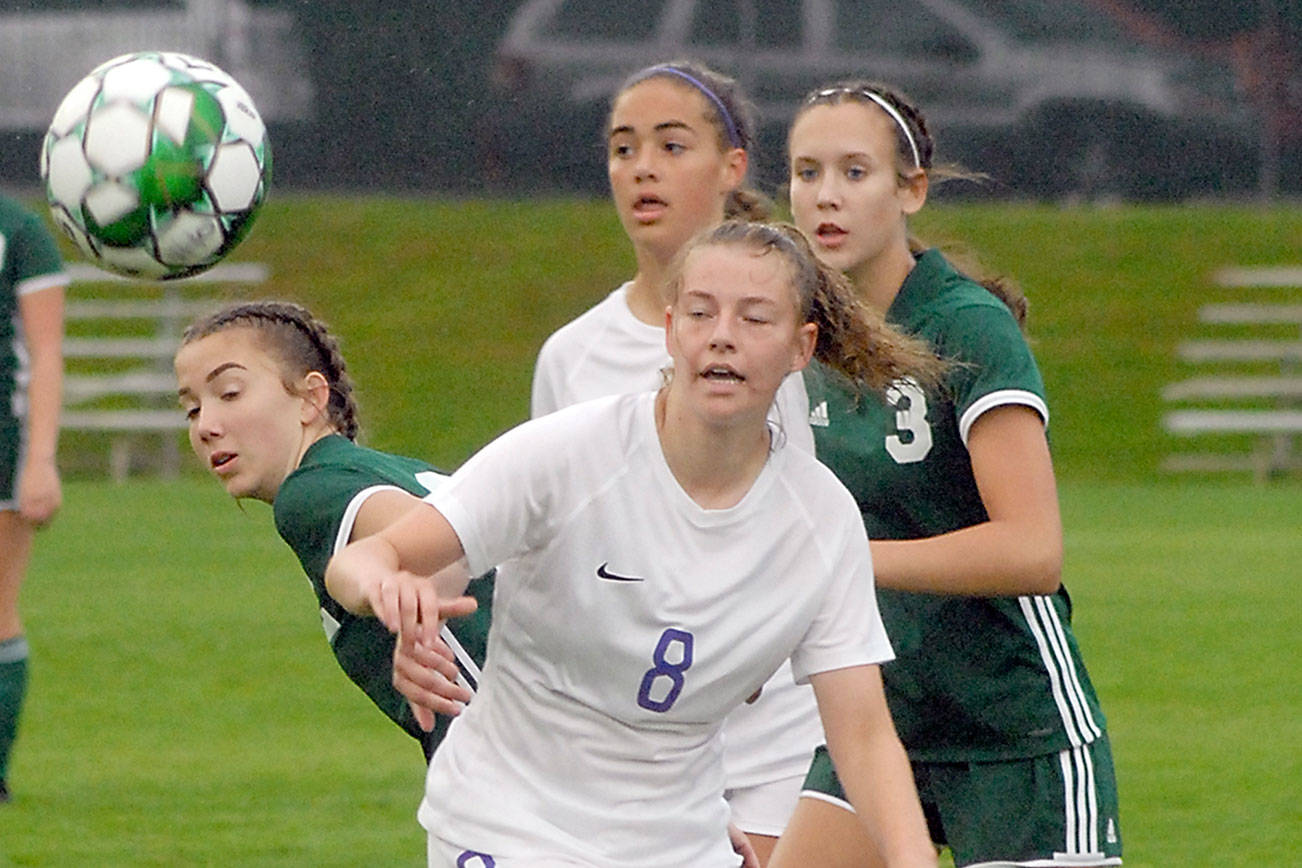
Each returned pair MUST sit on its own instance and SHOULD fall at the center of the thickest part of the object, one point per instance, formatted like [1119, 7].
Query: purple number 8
[667, 669]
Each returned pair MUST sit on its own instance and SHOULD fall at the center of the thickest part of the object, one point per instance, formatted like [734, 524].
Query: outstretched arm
[1019, 550]
[872, 765]
[387, 574]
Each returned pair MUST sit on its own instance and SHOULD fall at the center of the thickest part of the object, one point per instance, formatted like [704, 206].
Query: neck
[311, 434]
[715, 462]
[646, 295]
[879, 279]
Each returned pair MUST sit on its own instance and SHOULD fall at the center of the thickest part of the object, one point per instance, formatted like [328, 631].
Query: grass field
[442, 305]
[186, 711]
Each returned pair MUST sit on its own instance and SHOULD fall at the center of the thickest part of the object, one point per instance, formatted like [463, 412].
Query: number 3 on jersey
[665, 668]
[912, 438]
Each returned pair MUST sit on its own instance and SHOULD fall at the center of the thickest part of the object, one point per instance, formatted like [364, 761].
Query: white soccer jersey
[627, 622]
[609, 351]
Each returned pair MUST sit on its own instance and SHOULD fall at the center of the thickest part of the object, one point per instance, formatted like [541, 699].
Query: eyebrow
[660, 127]
[744, 300]
[212, 375]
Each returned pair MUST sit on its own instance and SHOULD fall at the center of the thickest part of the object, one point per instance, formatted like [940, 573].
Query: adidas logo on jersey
[818, 415]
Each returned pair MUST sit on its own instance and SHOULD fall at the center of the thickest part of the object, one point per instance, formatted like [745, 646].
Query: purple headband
[734, 137]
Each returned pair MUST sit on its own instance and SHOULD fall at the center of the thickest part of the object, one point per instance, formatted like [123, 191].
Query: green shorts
[10, 450]
[1056, 809]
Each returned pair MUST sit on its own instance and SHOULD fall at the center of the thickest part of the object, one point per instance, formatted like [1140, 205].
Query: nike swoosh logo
[603, 573]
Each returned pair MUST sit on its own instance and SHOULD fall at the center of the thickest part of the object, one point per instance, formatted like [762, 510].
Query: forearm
[44, 399]
[872, 765]
[991, 559]
[352, 572]
[879, 783]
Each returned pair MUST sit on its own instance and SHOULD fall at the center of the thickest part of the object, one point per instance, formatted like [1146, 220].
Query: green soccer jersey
[314, 510]
[29, 262]
[975, 678]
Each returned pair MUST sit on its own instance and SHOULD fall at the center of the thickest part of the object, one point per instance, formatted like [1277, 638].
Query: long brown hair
[915, 134]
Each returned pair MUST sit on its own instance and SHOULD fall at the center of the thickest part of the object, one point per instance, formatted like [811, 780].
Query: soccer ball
[156, 164]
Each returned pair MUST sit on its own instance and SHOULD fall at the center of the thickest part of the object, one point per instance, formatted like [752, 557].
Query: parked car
[1056, 77]
[49, 46]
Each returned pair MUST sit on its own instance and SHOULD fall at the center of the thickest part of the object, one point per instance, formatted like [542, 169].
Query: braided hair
[853, 338]
[300, 341]
[912, 132]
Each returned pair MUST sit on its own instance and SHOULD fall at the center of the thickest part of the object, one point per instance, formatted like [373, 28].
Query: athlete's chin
[238, 487]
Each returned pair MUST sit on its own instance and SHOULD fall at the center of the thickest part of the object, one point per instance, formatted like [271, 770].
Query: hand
[409, 605]
[39, 492]
[742, 847]
[427, 676]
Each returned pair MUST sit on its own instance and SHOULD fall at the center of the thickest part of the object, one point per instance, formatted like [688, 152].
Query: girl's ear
[806, 338]
[735, 164]
[669, 330]
[913, 192]
[316, 392]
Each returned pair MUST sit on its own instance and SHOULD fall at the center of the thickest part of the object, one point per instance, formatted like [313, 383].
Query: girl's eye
[807, 174]
[675, 147]
[191, 413]
[620, 150]
[230, 394]
[855, 173]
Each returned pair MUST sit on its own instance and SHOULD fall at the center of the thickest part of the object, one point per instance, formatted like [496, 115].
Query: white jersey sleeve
[499, 501]
[848, 629]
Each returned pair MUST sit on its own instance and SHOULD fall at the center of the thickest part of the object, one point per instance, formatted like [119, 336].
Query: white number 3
[912, 438]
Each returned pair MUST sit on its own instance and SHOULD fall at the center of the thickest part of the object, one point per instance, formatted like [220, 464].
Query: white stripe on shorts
[1068, 694]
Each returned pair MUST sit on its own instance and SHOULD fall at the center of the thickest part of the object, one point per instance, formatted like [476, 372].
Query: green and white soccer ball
[156, 164]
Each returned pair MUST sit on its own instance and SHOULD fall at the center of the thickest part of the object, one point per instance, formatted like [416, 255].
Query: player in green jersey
[957, 491]
[272, 416]
[32, 281]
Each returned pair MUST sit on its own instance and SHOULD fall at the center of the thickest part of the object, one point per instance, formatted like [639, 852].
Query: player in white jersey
[661, 554]
[678, 141]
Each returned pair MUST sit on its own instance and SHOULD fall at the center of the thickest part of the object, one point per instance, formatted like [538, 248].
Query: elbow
[1043, 573]
[342, 591]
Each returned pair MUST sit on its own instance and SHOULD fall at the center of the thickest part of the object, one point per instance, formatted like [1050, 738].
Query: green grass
[442, 305]
[185, 708]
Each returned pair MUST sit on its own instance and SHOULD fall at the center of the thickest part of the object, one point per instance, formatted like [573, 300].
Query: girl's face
[245, 426]
[668, 176]
[733, 331]
[845, 194]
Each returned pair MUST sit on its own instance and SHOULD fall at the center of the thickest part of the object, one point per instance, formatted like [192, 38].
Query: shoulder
[829, 507]
[579, 332]
[960, 318]
[335, 470]
[576, 424]
[29, 256]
